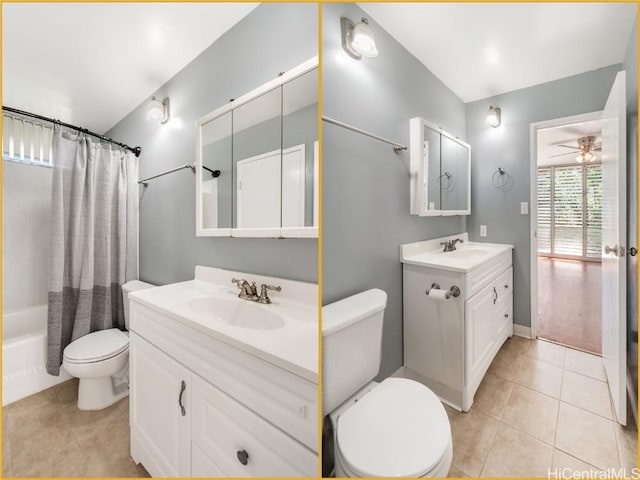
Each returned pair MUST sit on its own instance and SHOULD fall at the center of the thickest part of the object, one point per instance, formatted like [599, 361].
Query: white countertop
[467, 257]
[289, 341]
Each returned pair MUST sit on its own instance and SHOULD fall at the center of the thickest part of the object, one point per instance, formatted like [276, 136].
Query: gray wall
[365, 185]
[272, 38]
[508, 147]
[631, 67]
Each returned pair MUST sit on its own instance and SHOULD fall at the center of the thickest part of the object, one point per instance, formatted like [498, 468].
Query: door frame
[535, 127]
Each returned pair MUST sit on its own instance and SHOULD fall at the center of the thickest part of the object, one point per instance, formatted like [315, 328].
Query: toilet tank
[351, 345]
[127, 288]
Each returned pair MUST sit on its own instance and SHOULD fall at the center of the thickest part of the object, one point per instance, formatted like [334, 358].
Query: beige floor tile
[6, 445]
[547, 352]
[67, 393]
[123, 407]
[455, 473]
[107, 450]
[516, 454]
[473, 433]
[532, 412]
[587, 393]
[40, 437]
[92, 427]
[492, 396]
[31, 408]
[586, 436]
[85, 421]
[516, 345]
[68, 462]
[563, 461]
[540, 376]
[627, 438]
[506, 364]
[585, 364]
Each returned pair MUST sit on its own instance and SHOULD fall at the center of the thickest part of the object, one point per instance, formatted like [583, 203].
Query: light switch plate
[524, 208]
[483, 230]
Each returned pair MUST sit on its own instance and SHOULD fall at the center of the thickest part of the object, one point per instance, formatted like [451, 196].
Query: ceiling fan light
[580, 158]
[589, 157]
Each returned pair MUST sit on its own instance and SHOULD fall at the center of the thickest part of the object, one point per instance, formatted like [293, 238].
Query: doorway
[568, 218]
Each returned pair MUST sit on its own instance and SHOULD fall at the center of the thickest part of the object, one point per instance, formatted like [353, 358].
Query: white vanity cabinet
[156, 417]
[202, 407]
[450, 343]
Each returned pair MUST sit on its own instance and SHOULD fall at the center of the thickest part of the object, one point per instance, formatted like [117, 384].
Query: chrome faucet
[450, 245]
[264, 297]
[248, 291]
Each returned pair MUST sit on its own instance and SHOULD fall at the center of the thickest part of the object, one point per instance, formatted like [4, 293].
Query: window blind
[569, 211]
[26, 141]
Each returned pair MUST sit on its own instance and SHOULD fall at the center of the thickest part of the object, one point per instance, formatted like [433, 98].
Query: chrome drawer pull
[243, 456]
[182, 389]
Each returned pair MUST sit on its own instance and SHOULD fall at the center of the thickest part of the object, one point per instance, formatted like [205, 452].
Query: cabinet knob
[243, 456]
[506, 286]
[506, 315]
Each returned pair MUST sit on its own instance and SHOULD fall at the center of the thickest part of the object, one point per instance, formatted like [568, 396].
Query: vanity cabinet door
[239, 443]
[480, 331]
[160, 410]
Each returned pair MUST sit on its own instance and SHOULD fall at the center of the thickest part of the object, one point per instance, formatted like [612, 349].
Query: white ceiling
[90, 64]
[483, 49]
[549, 140]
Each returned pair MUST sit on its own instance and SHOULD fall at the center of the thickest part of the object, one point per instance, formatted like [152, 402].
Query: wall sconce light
[494, 117]
[158, 111]
[357, 39]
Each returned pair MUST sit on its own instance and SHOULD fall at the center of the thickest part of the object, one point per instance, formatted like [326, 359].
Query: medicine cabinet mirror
[260, 154]
[440, 166]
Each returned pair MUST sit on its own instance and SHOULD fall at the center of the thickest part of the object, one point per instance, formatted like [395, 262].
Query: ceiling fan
[586, 146]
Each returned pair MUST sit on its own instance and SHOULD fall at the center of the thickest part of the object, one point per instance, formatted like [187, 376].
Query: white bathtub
[24, 354]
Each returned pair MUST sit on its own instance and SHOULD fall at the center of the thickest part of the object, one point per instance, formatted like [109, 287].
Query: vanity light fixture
[358, 39]
[494, 117]
[158, 110]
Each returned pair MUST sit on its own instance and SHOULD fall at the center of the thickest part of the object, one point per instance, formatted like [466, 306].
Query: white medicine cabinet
[257, 161]
[440, 165]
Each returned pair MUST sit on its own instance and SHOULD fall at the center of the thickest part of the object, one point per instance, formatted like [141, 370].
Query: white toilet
[397, 428]
[101, 360]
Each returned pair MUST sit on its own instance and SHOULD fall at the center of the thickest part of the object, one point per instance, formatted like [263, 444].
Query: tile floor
[540, 406]
[45, 435]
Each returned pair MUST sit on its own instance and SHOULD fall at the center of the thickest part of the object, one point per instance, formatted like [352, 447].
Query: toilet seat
[97, 346]
[399, 429]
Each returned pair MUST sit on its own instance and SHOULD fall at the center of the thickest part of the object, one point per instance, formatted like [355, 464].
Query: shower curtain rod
[397, 147]
[136, 150]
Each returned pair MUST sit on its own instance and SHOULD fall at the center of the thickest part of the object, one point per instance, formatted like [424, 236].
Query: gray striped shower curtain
[94, 239]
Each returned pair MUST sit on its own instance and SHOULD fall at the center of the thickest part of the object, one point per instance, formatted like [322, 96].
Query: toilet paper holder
[454, 291]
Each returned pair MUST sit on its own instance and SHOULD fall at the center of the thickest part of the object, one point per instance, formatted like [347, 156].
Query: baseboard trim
[521, 331]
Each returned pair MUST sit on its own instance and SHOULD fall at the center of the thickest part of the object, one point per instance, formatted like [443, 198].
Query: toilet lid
[399, 429]
[97, 346]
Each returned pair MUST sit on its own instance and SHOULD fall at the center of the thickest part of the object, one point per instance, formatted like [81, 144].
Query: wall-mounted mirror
[440, 167]
[263, 151]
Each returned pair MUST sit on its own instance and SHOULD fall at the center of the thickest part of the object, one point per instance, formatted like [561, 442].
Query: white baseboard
[521, 331]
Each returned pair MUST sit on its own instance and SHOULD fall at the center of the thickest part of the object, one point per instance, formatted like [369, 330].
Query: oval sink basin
[237, 313]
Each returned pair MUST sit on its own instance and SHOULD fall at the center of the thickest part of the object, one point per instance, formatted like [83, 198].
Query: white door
[614, 194]
[293, 185]
[160, 410]
[258, 191]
